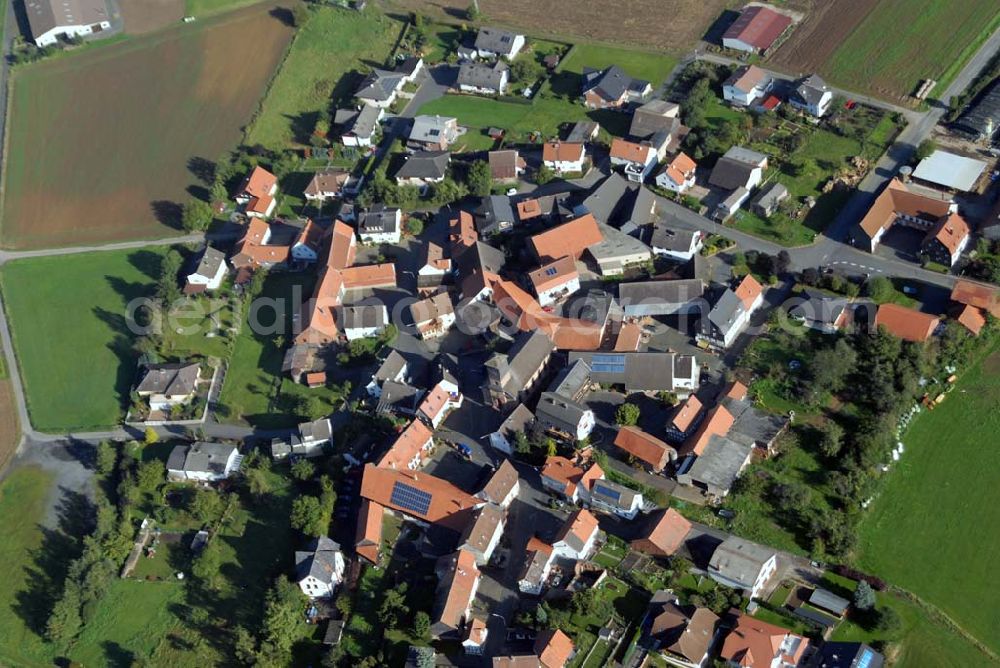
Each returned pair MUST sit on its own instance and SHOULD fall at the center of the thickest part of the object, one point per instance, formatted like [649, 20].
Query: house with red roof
[438, 403]
[664, 535]
[756, 29]
[636, 159]
[906, 323]
[256, 193]
[753, 643]
[576, 538]
[564, 157]
[570, 479]
[645, 448]
[555, 280]
[678, 175]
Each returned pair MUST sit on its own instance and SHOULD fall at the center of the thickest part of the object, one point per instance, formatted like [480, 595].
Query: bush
[627, 415]
[413, 226]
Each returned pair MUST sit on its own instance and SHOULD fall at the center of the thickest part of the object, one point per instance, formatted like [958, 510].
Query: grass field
[931, 529]
[112, 130]
[256, 392]
[9, 428]
[322, 66]
[23, 499]
[68, 320]
[939, 37]
[653, 67]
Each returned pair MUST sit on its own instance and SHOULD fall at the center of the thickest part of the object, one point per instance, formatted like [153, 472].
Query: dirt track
[668, 26]
[9, 432]
[825, 28]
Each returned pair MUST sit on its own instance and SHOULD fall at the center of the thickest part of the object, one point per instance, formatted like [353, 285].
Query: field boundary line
[943, 618]
[265, 96]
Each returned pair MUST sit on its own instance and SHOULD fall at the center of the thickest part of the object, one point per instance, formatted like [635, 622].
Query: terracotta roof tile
[570, 238]
[644, 447]
[687, 414]
[906, 323]
[665, 535]
[557, 151]
[718, 422]
[986, 297]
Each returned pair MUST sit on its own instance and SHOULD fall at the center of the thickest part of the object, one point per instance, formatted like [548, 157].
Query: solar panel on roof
[608, 492]
[410, 498]
[866, 659]
[608, 363]
[551, 271]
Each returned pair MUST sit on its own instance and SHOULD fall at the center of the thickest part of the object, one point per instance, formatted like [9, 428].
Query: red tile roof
[553, 274]
[259, 183]
[528, 209]
[906, 323]
[664, 536]
[521, 308]
[718, 422]
[680, 168]
[553, 648]
[570, 474]
[951, 232]
[622, 149]
[758, 27]
[449, 506]
[458, 586]
[897, 200]
[986, 297]
[570, 238]
[407, 446]
[756, 643]
[561, 151]
[748, 291]
[369, 536]
[687, 414]
[629, 337]
[971, 318]
[370, 276]
[644, 447]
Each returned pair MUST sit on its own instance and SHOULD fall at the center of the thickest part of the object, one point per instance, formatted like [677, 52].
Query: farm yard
[927, 531]
[324, 63]
[79, 302]
[846, 42]
[670, 26]
[120, 162]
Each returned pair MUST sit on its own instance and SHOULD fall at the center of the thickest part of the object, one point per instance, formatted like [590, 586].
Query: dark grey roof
[379, 218]
[739, 560]
[478, 257]
[425, 165]
[613, 494]
[610, 83]
[171, 379]
[594, 305]
[495, 40]
[492, 211]
[649, 119]
[639, 211]
[379, 85]
[364, 316]
[360, 122]
[398, 397]
[818, 307]
[607, 197]
[847, 655]
[770, 195]
[558, 412]
[481, 75]
[582, 132]
[982, 118]
[723, 314]
[211, 260]
[672, 239]
[202, 457]
[391, 366]
[730, 174]
[518, 421]
[175, 461]
[409, 66]
[529, 352]
[572, 380]
[317, 560]
[660, 292]
[821, 598]
[720, 463]
[638, 371]
[809, 90]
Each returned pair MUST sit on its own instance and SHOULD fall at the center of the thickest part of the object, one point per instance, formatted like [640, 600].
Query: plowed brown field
[814, 40]
[669, 26]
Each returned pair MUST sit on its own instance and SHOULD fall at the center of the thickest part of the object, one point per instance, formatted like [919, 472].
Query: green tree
[525, 70]
[196, 216]
[413, 226]
[479, 178]
[257, 482]
[65, 622]
[283, 607]
[421, 625]
[864, 596]
[830, 367]
[925, 149]
[308, 516]
[627, 415]
[472, 13]
[880, 289]
[888, 621]
[543, 175]
[393, 605]
[150, 475]
[150, 436]
[300, 15]
[106, 457]
[206, 565]
[205, 504]
[831, 439]
[303, 469]
[167, 289]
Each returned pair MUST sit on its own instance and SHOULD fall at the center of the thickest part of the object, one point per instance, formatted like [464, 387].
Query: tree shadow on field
[202, 169]
[117, 656]
[50, 561]
[302, 125]
[168, 213]
[149, 263]
[283, 14]
[199, 192]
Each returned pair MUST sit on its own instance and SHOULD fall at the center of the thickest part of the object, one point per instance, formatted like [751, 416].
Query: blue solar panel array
[608, 363]
[608, 492]
[866, 659]
[551, 271]
[410, 498]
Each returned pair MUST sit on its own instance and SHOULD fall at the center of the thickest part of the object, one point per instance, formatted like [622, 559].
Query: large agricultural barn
[52, 19]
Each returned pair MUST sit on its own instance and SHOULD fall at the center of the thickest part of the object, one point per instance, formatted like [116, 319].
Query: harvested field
[820, 34]
[142, 16]
[112, 131]
[669, 26]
